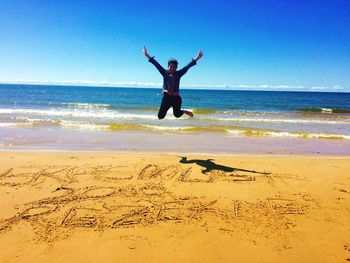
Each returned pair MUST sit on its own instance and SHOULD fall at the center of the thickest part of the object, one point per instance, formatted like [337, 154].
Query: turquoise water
[229, 112]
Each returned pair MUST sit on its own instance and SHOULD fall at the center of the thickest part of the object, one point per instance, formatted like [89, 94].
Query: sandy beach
[167, 207]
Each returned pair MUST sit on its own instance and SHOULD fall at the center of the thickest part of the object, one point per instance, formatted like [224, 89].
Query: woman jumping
[171, 83]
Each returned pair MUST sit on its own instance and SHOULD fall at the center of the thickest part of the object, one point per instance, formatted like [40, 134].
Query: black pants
[170, 101]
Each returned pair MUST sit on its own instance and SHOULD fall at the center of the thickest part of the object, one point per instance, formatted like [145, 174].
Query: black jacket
[171, 81]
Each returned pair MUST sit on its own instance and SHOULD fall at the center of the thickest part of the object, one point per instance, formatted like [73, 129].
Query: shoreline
[156, 152]
[82, 140]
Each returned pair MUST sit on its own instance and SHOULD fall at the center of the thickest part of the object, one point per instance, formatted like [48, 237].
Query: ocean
[34, 109]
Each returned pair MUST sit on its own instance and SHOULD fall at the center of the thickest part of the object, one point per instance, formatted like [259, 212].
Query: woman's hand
[199, 55]
[144, 50]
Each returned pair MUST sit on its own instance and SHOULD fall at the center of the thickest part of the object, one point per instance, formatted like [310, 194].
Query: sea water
[225, 113]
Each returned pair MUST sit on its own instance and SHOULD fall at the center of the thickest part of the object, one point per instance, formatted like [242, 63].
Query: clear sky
[267, 44]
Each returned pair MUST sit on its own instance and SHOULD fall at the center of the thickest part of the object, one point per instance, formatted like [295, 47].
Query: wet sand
[214, 143]
[167, 207]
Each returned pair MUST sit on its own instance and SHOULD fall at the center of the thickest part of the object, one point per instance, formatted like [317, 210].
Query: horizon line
[149, 85]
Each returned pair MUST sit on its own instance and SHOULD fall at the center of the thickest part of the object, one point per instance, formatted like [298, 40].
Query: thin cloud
[84, 83]
[272, 87]
[198, 86]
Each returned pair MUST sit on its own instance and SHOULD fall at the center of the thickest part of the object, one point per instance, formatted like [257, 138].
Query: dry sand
[140, 207]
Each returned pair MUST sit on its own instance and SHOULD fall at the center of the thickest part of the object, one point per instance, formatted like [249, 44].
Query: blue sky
[299, 45]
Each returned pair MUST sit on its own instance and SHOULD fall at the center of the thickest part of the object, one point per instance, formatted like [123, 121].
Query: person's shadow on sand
[209, 165]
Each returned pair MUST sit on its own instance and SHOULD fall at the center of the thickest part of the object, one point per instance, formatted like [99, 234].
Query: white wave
[7, 124]
[85, 105]
[243, 133]
[234, 132]
[300, 121]
[329, 136]
[94, 126]
[14, 124]
[165, 128]
[83, 125]
[79, 113]
[324, 110]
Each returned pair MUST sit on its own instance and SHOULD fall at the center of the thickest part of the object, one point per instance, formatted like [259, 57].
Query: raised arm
[191, 64]
[153, 61]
